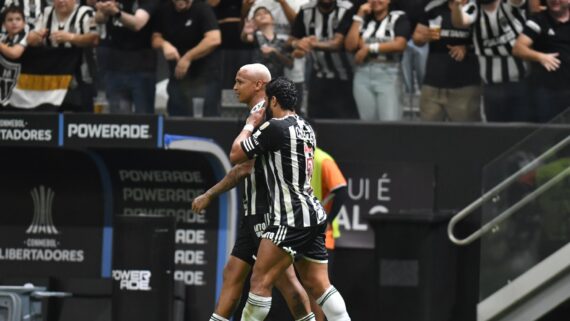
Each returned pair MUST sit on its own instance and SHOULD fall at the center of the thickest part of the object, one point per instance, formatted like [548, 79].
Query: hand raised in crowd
[457, 52]
[249, 26]
[200, 203]
[59, 37]
[182, 68]
[170, 52]
[549, 61]
[364, 10]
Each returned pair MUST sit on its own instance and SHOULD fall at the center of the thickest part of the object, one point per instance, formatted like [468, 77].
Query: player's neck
[255, 100]
[282, 113]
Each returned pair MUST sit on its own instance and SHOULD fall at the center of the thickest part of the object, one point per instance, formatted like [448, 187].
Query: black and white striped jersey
[494, 36]
[255, 196]
[311, 22]
[286, 147]
[81, 21]
[395, 24]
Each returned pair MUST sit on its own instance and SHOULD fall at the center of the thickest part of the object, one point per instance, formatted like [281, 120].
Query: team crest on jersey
[9, 72]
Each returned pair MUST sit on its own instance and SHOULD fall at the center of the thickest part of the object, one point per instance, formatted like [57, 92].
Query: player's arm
[339, 197]
[238, 154]
[231, 180]
[334, 44]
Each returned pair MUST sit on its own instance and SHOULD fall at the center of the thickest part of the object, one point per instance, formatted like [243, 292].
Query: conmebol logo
[42, 223]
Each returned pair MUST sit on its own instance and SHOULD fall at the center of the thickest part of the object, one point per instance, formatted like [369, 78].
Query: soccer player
[249, 87]
[286, 146]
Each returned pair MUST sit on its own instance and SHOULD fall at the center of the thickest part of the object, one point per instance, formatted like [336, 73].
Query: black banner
[112, 131]
[51, 214]
[164, 183]
[142, 268]
[29, 129]
[379, 188]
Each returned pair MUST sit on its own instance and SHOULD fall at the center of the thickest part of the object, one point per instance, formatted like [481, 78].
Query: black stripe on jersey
[490, 33]
[521, 70]
[489, 69]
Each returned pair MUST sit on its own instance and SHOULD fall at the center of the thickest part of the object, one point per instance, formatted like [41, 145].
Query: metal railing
[494, 192]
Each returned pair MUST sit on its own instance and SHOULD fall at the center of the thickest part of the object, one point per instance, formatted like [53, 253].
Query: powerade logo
[133, 280]
[109, 131]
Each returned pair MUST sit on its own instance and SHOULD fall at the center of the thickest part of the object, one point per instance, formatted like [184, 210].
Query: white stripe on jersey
[497, 70]
[253, 199]
[285, 189]
[276, 198]
[296, 168]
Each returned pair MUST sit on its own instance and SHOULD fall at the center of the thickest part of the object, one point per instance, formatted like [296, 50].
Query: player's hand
[361, 54]
[182, 68]
[550, 61]
[170, 52]
[457, 52]
[200, 203]
[255, 118]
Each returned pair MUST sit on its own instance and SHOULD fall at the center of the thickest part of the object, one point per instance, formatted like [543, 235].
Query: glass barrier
[540, 227]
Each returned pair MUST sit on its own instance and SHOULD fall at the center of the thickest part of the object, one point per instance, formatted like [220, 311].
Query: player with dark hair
[286, 145]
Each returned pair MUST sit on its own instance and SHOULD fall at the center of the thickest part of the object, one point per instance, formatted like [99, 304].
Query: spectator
[496, 25]
[187, 32]
[32, 10]
[13, 42]
[319, 30]
[378, 36]
[270, 47]
[415, 56]
[12, 45]
[130, 61]
[284, 13]
[545, 41]
[452, 88]
[67, 24]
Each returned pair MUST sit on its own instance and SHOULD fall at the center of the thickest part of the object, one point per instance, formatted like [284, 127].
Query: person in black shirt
[545, 41]
[451, 89]
[187, 32]
[130, 62]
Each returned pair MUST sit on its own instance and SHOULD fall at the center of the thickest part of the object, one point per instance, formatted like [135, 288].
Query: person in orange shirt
[329, 186]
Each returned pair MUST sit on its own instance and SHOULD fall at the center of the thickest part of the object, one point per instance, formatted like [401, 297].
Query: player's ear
[273, 102]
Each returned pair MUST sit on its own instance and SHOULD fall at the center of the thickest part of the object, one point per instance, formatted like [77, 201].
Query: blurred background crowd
[375, 60]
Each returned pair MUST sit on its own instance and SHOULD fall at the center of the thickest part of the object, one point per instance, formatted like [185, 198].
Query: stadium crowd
[465, 60]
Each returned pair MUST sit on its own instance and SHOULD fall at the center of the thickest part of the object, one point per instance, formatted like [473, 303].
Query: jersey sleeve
[470, 11]
[403, 27]
[346, 21]
[267, 138]
[533, 28]
[208, 17]
[87, 23]
[298, 30]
